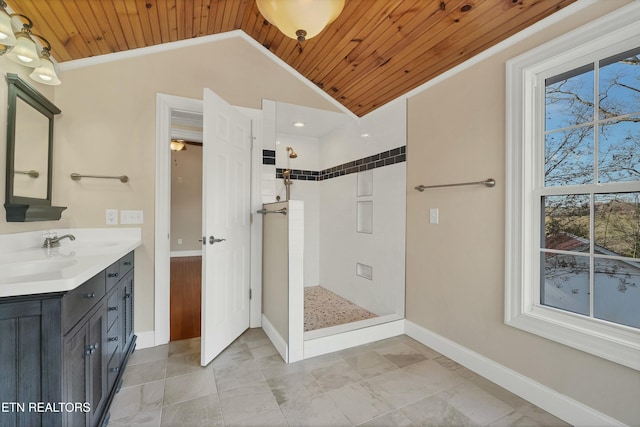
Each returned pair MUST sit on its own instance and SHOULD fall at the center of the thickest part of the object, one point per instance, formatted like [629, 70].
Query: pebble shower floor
[323, 308]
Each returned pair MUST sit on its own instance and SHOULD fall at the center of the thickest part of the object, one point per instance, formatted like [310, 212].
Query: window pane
[620, 85]
[619, 150]
[568, 157]
[569, 98]
[616, 291]
[565, 282]
[617, 224]
[566, 222]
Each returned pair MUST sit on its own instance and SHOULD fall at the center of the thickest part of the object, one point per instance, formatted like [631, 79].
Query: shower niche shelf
[365, 217]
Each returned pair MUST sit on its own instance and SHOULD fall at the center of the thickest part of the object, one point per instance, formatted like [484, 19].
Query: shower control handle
[213, 240]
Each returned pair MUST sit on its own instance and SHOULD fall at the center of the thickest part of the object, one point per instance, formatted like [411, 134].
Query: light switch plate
[131, 217]
[433, 216]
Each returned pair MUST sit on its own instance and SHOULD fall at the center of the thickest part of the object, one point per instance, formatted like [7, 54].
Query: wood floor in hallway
[185, 296]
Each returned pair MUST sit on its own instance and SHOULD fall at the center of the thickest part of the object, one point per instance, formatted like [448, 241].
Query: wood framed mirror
[29, 154]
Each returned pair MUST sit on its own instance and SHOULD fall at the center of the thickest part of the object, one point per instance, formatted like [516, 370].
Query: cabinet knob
[113, 339]
[116, 369]
[112, 275]
[127, 263]
[127, 296]
[90, 295]
[91, 349]
[115, 308]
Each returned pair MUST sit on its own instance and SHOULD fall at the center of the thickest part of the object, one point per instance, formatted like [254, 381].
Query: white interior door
[226, 196]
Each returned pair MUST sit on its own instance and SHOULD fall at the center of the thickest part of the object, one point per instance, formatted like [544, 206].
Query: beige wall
[455, 269]
[186, 199]
[108, 126]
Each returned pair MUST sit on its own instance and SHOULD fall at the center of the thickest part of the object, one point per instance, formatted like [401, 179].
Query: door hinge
[251, 218]
[250, 293]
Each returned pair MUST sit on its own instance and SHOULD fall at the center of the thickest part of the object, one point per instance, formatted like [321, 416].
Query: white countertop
[26, 268]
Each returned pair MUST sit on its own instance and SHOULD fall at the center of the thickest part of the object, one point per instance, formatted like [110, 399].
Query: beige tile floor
[393, 382]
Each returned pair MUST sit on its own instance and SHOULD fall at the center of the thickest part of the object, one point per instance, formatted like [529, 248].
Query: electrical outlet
[112, 216]
[179, 241]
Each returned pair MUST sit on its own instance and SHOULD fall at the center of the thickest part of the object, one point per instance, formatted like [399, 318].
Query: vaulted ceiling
[374, 52]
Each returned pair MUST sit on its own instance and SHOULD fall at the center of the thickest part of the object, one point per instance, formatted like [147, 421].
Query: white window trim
[619, 344]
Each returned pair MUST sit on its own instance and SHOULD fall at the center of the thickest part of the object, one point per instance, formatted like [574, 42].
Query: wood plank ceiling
[374, 52]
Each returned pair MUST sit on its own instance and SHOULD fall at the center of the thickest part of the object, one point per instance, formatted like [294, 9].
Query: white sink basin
[87, 245]
[34, 269]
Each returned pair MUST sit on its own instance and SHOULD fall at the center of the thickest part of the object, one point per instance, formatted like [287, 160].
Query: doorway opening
[166, 106]
[186, 225]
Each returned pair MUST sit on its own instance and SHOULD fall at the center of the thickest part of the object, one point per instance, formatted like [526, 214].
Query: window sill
[589, 335]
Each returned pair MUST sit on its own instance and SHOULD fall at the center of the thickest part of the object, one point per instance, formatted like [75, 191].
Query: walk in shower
[346, 178]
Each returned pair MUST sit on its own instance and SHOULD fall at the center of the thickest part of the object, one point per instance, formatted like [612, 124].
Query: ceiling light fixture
[178, 145]
[298, 124]
[300, 19]
[22, 49]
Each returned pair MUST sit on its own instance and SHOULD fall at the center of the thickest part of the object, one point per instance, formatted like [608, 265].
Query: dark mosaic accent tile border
[268, 157]
[397, 155]
[302, 175]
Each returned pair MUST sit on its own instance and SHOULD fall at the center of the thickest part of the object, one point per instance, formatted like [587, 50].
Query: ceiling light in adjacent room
[300, 19]
[298, 124]
[178, 145]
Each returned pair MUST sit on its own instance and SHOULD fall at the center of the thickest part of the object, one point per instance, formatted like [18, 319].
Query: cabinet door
[126, 314]
[98, 358]
[77, 354]
[85, 367]
[20, 382]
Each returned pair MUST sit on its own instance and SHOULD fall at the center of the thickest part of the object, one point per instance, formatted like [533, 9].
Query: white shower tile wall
[324, 176]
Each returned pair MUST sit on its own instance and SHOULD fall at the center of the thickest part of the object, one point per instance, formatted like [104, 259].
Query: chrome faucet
[54, 242]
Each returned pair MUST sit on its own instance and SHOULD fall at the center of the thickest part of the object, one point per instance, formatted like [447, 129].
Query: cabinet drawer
[113, 274]
[112, 310]
[126, 264]
[78, 302]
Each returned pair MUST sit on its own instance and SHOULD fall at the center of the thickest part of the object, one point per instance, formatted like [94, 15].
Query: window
[573, 198]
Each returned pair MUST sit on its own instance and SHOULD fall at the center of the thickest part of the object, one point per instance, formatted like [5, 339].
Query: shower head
[292, 154]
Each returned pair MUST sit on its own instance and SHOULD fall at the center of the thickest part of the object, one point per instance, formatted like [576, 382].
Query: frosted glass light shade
[45, 73]
[24, 52]
[293, 15]
[7, 37]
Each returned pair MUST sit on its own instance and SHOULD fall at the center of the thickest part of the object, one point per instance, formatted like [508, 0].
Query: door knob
[213, 240]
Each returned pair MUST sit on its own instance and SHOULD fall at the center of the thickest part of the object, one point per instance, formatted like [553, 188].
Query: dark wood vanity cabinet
[63, 354]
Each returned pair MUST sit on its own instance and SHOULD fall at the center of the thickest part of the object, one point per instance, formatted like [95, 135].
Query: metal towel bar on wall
[78, 177]
[489, 182]
[282, 211]
[32, 173]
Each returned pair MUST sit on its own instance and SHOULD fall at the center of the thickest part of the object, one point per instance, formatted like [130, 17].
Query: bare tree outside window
[590, 253]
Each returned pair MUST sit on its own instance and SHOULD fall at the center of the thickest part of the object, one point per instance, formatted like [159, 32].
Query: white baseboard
[278, 342]
[569, 410]
[145, 339]
[329, 344]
